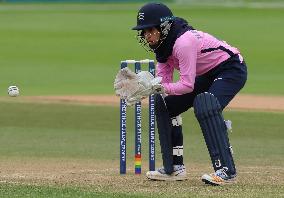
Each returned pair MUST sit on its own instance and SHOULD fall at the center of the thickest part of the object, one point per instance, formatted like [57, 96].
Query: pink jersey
[188, 59]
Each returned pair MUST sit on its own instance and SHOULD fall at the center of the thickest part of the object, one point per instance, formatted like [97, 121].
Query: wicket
[138, 128]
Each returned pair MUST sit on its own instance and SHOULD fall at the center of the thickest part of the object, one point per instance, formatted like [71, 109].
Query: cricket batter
[211, 73]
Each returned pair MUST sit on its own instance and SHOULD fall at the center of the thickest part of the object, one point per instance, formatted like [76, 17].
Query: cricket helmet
[152, 15]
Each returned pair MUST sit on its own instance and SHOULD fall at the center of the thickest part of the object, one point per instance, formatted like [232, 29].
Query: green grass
[45, 134]
[74, 131]
[16, 190]
[62, 49]
[12, 190]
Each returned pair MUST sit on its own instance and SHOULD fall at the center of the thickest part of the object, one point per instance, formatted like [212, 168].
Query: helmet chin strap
[156, 46]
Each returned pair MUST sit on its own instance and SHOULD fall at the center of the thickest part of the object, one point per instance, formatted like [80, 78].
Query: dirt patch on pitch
[103, 176]
[243, 102]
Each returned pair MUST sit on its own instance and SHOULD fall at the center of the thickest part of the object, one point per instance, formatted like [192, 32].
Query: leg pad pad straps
[177, 143]
[177, 121]
[208, 112]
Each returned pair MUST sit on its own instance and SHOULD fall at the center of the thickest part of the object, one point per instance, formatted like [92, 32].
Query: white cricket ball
[13, 91]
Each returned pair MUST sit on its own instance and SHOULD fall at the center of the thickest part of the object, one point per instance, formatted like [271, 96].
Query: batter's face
[152, 36]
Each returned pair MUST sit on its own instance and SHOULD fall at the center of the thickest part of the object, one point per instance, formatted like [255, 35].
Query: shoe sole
[210, 183]
[169, 178]
[231, 181]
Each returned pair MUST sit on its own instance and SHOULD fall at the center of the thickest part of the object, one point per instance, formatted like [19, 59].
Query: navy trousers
[224, 82]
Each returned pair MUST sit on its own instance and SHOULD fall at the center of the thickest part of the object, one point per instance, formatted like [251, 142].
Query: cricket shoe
[220, 177]
[179, 174]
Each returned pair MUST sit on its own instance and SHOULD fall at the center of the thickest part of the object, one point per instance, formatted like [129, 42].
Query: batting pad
[208, 112]
[164, 129]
